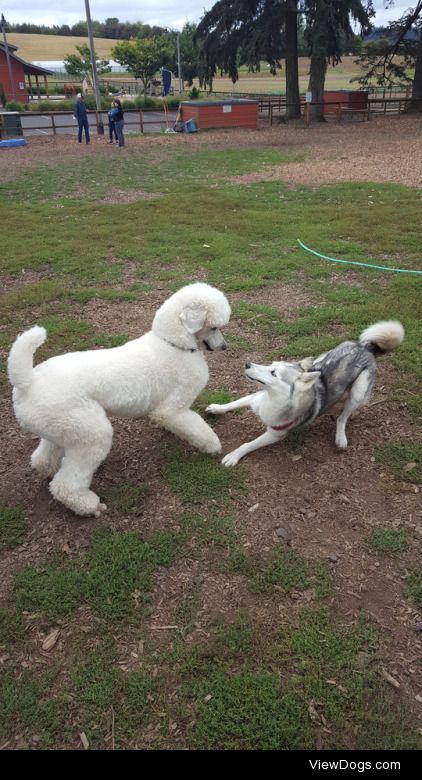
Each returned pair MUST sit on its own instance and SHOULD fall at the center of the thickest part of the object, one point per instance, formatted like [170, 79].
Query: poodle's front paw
[215, 409]
[82, 502]
[100, 508]
[231, 459]
[213, 447]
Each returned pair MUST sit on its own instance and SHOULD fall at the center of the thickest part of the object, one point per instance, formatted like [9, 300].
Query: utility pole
[179, 67]
[100, 126]
[9, 67]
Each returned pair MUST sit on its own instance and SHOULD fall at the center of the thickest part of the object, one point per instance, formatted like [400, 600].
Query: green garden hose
[354, 262]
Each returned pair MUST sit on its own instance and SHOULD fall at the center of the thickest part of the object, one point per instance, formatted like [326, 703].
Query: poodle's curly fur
[65, 400]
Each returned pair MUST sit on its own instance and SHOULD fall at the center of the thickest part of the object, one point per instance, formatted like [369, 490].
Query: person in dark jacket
[118, 117]
[111, 127]
[79, 112]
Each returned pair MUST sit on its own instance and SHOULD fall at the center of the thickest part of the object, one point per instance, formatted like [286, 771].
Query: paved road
[154, 122]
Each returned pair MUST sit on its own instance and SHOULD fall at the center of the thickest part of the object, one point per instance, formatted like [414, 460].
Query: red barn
[19, 69]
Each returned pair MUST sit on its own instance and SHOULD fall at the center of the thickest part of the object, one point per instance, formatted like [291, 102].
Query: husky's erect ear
[308, 378]
[193, 319]
[306, 363]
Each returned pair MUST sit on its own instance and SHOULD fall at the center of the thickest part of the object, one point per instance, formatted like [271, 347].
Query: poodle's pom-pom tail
[20, 364]
[387, 335]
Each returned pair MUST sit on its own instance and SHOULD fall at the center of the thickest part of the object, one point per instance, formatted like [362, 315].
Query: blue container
[190, 126]
[13, 142]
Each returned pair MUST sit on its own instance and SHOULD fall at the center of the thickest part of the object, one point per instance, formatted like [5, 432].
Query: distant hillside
[55, 47]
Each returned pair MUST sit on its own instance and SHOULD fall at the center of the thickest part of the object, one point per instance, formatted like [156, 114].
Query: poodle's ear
[193, 319]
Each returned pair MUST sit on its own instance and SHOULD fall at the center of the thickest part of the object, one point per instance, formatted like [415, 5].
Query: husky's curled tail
[384, 336]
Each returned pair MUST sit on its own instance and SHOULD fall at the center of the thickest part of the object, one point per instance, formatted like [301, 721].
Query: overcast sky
[165, 13]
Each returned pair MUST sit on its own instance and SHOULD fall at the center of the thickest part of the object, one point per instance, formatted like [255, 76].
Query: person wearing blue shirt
[111, 126]
[117, 116]
[80, 115]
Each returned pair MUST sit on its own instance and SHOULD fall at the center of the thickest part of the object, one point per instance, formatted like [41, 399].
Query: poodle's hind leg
[71, 485]
[46, 458]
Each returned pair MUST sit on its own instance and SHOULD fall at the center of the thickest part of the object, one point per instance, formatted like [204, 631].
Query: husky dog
[294, 394]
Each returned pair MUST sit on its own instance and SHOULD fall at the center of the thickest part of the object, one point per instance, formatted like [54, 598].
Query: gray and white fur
[295, 393]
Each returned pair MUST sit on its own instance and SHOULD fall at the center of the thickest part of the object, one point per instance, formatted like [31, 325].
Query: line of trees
[110, 28]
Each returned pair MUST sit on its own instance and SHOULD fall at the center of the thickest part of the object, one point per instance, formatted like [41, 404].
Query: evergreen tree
[328, 23]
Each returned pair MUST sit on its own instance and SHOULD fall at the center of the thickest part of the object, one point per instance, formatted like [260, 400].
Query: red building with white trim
[19, 69]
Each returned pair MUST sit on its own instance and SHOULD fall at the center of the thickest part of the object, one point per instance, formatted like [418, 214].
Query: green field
[56, 47]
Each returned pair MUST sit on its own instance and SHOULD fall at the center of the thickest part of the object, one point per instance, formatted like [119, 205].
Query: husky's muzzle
[256, 373]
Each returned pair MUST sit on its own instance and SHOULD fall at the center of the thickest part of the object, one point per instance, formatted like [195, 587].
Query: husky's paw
[215, 409]
[231, 459]
[341, 442]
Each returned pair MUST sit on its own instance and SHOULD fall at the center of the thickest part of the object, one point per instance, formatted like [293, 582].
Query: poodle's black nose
[248, 365]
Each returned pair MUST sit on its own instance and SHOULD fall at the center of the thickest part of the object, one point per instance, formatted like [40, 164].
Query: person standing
[81, 116]
[119, 121]
[111, 126]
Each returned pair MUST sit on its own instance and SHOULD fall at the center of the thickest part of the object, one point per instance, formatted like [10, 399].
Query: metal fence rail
[63, 122]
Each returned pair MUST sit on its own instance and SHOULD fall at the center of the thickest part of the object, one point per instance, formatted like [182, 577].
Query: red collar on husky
[284, 427]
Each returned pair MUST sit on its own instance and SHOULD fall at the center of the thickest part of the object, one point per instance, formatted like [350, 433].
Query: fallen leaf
[409, 466]
[314, 714]
[387, 676]
[51, 639]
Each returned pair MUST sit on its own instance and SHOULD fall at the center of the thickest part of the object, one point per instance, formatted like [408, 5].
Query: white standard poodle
[66, 399]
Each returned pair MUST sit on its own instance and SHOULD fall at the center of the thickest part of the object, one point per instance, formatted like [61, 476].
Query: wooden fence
[275, 108]
[156, 120]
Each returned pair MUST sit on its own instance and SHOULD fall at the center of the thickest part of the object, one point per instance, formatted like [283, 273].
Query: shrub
[13, 105]
[146, 102]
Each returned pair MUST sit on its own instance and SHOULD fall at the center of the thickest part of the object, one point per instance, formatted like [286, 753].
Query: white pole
[100, 126]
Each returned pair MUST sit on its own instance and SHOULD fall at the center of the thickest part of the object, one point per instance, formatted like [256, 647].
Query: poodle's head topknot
[191, 309]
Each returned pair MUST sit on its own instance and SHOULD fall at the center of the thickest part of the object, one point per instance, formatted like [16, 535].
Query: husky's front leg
[223, 408]
[269, 437]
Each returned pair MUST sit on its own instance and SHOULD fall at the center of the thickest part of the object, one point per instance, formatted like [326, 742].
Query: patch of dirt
[381, 150]
[377, 151]
[118, 196]
[327, 501]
